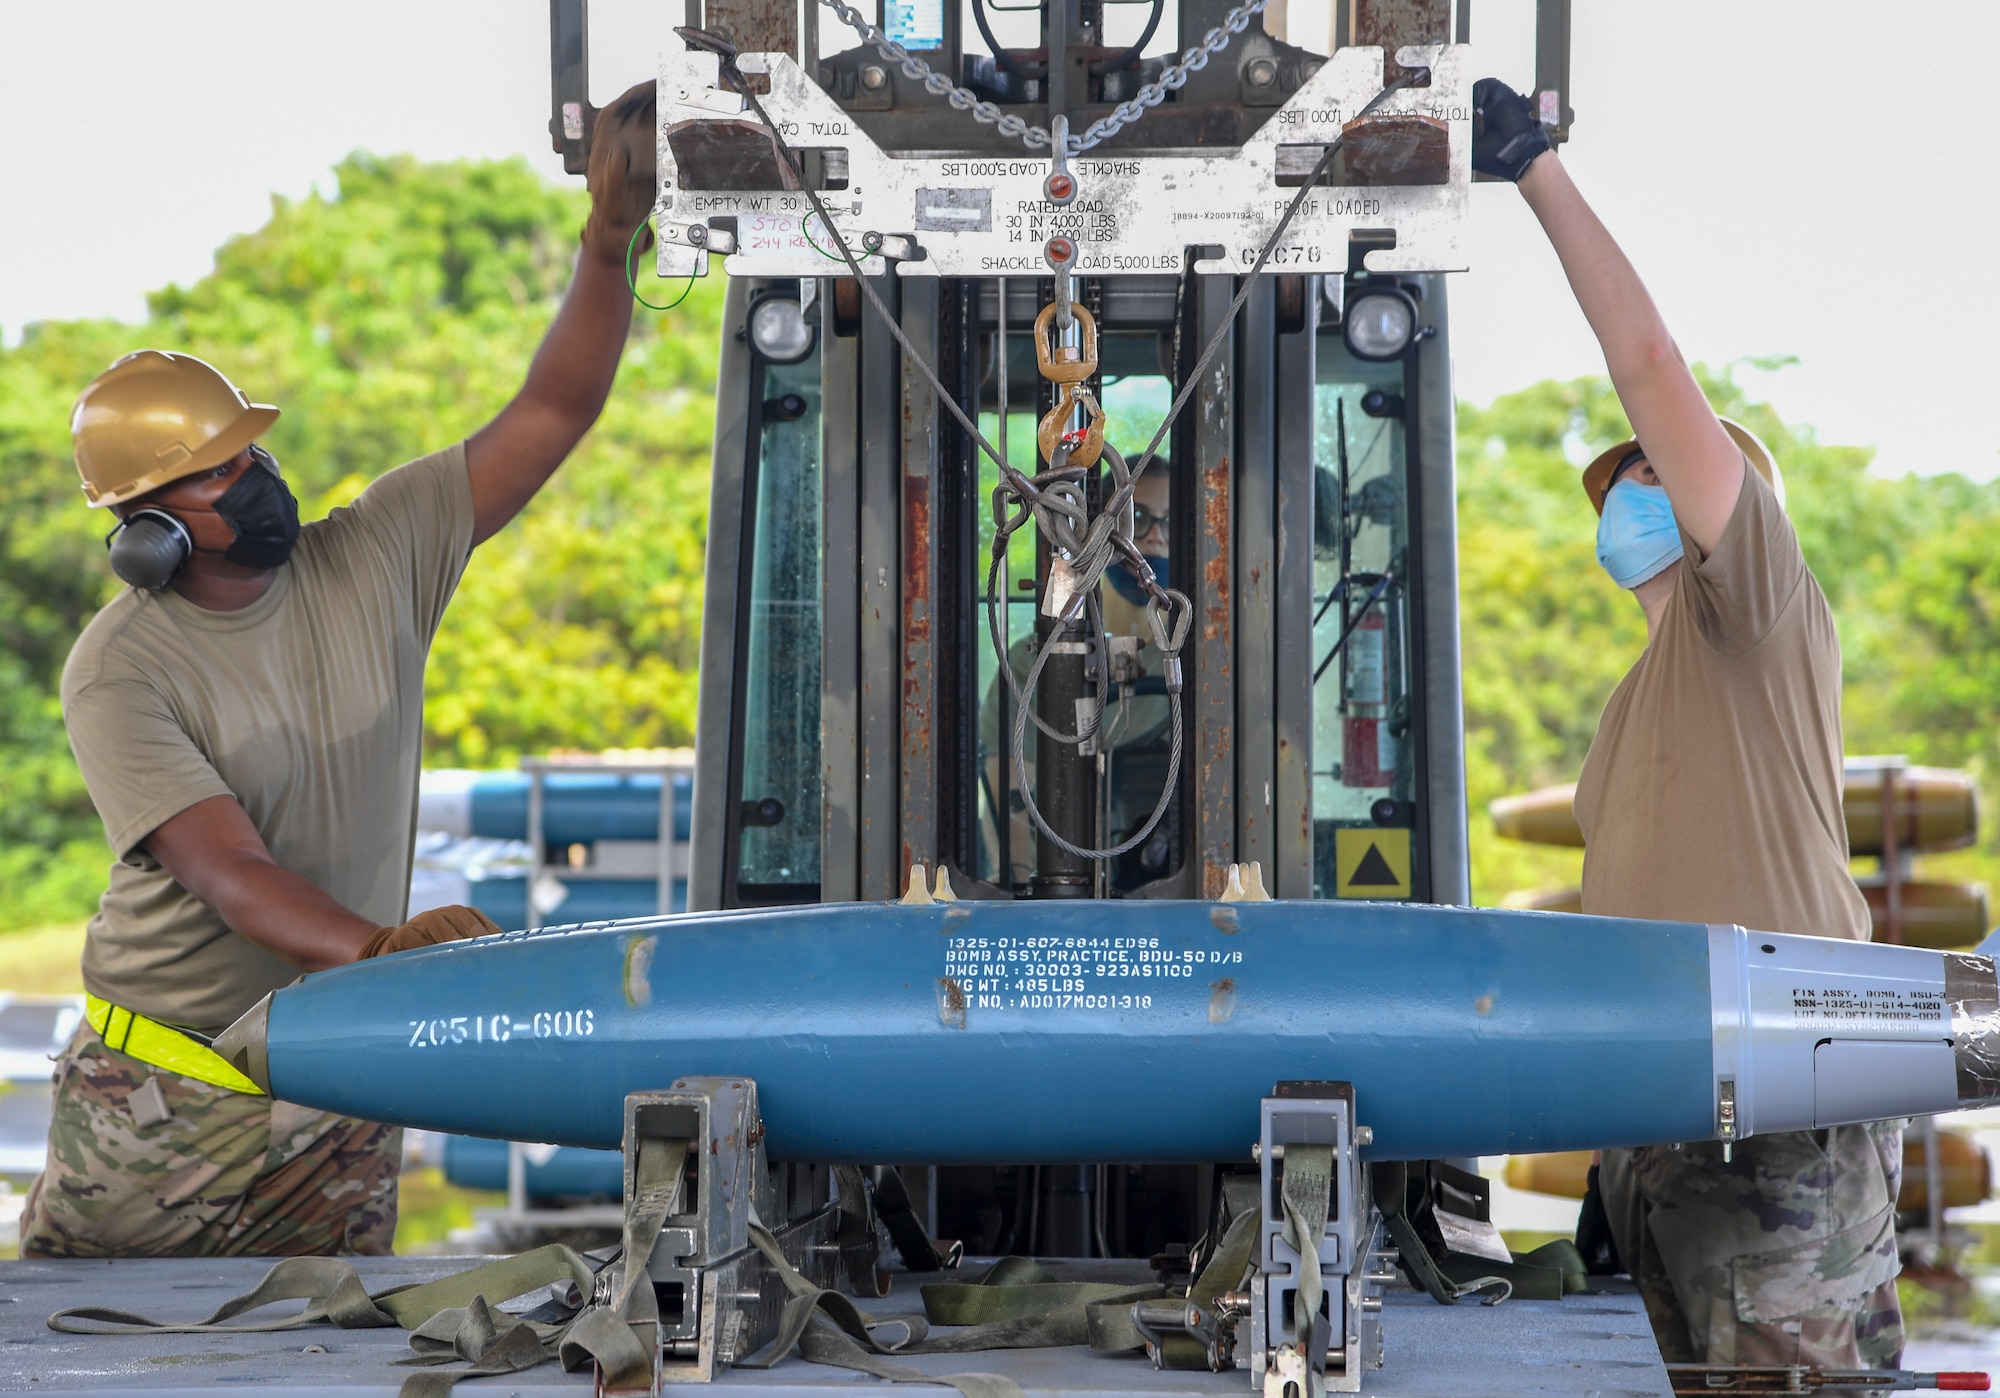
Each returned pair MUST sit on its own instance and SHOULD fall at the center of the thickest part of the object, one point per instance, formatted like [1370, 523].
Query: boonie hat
[1597, 475]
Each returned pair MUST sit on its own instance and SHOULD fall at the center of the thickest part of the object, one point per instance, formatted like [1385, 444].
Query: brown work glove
[624, 174]
[452, 924]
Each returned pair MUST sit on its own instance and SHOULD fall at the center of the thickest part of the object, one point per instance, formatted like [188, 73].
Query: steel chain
[1037, 137]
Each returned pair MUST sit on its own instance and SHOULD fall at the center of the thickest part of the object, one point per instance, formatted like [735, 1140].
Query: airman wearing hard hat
[1712, 793]
[247, 715]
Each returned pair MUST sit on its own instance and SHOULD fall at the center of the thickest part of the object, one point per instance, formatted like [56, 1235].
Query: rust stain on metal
[756, 26]
[1223, 916]
[918, 669]
[723, 153]
[1394, 24]
[951, 1003]
[916, 562]
[1222, 1000]
[1215, 573]
[1484, 1004]
[1397, 148]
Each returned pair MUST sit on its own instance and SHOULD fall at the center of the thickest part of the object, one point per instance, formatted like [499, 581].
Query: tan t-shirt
[306, 706]
[1712, 792]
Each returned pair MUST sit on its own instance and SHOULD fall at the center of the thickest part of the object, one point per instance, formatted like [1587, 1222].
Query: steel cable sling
[1052, 497]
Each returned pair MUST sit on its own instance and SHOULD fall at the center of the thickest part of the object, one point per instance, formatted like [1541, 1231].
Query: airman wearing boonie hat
[1712, 793]
[248, 718]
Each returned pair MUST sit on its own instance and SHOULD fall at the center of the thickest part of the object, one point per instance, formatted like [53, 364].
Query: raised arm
[511, 457]
[1696, 461]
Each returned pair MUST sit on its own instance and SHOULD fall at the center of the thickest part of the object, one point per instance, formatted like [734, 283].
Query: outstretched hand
[624, 173]
[1506, 134]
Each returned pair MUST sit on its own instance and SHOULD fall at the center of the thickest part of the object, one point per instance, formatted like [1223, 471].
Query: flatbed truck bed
[1595, 1343]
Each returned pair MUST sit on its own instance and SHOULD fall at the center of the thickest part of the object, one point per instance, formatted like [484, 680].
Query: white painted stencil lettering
[501, 1029]
[1076, 973]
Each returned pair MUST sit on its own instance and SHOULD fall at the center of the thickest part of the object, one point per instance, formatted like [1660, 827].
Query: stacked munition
[970, 1033]
[1965, 1172]
[600, 837]
[1934, 809]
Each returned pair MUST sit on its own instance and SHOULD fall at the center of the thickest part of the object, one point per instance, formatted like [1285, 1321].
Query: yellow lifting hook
[1068, 367]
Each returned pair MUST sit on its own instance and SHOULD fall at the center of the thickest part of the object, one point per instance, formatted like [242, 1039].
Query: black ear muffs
[149, 548]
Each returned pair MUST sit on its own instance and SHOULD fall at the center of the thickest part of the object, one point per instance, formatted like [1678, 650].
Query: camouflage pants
[225, 1175]
[1784, 1255]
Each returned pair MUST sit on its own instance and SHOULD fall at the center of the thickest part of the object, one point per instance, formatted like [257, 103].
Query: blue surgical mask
[1127, 586]
[1637, 536]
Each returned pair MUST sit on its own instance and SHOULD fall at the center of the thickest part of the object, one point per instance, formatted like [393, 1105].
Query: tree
[1905, 564]
[388, 319]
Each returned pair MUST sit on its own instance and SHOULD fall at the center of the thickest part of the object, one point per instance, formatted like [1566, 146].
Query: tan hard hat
[154, 417]
[1597, 475]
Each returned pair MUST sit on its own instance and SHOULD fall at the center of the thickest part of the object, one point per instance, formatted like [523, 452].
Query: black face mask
[262, 512]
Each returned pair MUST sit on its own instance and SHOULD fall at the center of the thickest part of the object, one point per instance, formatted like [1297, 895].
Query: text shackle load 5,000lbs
[1139, 1031]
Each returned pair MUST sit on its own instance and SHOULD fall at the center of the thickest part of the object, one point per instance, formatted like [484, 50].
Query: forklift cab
[854, 718]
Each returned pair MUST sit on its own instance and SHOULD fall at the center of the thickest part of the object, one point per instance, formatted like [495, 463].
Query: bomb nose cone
[242, 1043]
[1973, 997]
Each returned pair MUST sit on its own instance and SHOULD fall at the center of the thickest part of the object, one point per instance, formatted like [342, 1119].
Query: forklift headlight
[1380, 323]
[779, 331]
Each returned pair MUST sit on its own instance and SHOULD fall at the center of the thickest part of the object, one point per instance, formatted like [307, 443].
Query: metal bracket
[1214, 1329]
[718, 1299]
[1315, 1113]
[1135, 213]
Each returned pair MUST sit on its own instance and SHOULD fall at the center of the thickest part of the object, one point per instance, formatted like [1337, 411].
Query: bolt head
[1261, 72]
[874, 78]
[1059, 186]
[1061, 250]
[697, 234]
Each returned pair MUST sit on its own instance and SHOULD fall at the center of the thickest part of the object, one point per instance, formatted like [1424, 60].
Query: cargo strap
[920, 1253]
[1305, 1191]
[452, 1320]
[1549, 1273]
[1016, 1304]
[163, 1046]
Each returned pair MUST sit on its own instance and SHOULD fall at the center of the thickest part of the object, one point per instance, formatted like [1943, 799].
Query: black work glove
[1506, 136]
[623, 177]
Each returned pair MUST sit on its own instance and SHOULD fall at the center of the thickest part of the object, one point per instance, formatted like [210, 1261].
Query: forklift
[864, 650]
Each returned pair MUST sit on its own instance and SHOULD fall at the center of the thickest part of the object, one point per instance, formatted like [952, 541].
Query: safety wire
[1055, 499]
[631, 277]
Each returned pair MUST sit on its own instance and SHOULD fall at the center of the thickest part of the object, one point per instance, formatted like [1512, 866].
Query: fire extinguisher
[1368, 749]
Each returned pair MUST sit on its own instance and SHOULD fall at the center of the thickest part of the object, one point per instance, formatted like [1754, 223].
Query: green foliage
[388, 320]
[1906, 563]
[400, 314]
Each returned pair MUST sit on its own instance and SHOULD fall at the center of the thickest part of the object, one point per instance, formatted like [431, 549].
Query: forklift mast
[880, 610]
[852, 718]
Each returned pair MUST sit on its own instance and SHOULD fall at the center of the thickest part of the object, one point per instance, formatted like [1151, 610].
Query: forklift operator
[1140, 736]
[1712, 794]
[248, 716]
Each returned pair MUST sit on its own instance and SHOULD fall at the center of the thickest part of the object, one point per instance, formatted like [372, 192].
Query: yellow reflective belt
[149, 1041]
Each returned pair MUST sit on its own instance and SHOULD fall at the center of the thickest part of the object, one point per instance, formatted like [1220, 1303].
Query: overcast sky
[1804, 177]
